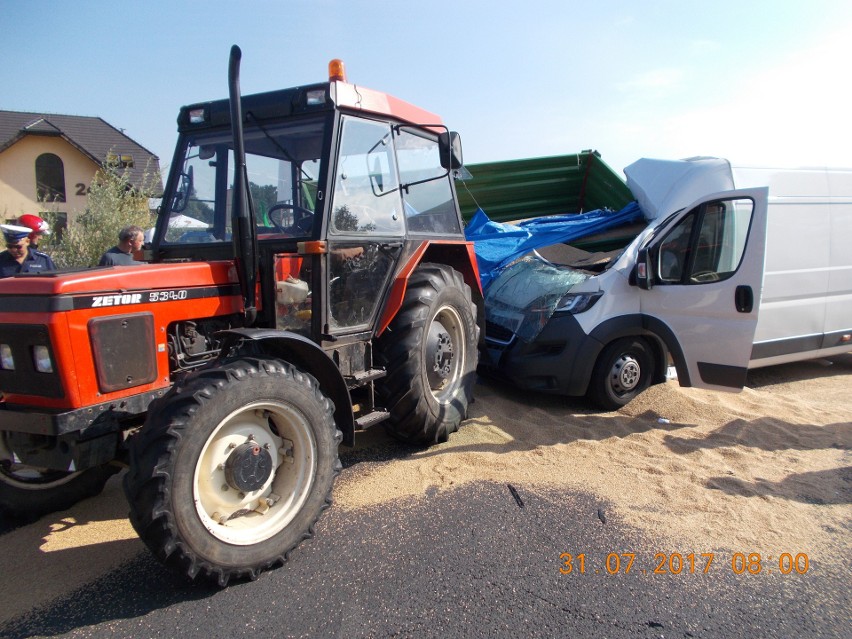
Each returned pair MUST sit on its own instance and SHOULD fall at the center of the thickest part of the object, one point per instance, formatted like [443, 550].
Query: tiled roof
[92, 136]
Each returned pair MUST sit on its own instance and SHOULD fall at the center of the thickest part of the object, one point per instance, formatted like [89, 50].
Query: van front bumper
[559, 360]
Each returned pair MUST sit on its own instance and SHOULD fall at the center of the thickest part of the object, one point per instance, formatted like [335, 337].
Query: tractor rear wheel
[233, 468]
[430, 354]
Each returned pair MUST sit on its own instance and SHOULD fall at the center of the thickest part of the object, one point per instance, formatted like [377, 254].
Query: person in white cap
[18, 257]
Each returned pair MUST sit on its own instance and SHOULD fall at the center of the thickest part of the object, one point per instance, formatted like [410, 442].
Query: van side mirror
[643, 271]
[450, 150]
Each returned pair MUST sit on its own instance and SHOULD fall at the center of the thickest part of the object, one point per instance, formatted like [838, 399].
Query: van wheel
[430, 354]
[622, 371]
[232, 469]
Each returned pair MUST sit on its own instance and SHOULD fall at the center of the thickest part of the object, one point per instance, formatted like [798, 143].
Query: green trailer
[533, 187]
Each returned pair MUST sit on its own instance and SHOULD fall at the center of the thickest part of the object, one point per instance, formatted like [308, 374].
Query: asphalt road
[481, 560]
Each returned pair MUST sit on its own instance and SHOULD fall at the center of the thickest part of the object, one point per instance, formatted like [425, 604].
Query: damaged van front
[684, 291]
[542, 325]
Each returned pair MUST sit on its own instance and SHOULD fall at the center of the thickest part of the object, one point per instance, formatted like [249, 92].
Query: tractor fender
[457, 254]
[304, 354]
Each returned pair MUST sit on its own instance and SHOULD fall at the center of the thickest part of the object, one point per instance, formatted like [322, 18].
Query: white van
[690, 286]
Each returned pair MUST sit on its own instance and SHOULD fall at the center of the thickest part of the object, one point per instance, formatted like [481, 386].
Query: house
[47, 161]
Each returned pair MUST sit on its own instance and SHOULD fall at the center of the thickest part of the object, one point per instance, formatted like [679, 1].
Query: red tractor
[308, 278]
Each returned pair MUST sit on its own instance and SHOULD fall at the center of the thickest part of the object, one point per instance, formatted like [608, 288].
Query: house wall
[18, 179]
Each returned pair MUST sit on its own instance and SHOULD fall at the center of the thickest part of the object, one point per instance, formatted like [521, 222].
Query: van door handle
[744, 299]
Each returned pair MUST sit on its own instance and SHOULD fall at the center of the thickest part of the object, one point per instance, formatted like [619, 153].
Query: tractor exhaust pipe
[242, 211]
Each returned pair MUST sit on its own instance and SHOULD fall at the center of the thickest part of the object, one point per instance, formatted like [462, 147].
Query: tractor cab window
[366, 191]
[283, 164]
[427, 190]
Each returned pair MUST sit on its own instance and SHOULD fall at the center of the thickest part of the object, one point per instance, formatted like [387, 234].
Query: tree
[113, 203]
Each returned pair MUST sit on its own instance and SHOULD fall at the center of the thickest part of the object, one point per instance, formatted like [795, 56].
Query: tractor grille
[124, 351]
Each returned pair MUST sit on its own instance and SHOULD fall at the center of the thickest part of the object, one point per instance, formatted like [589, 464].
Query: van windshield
[526, 293]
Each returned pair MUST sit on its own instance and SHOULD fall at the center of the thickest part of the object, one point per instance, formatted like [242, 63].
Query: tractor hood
[143, 283]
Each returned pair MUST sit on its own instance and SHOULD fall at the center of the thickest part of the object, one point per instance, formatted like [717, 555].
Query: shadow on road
[824, 487]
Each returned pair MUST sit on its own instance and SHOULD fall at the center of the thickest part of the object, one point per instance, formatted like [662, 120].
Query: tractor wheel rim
[445, 353]
[23, 476]
[280, 443]
[32, 478]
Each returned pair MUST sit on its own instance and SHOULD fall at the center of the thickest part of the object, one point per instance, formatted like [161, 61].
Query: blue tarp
[497, 244]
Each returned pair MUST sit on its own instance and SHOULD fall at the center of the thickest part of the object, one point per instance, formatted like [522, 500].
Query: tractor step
[369, 419]
[359, 379]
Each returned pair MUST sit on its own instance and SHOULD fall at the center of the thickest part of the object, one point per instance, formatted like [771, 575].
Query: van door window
[707, 245]
[674, 251]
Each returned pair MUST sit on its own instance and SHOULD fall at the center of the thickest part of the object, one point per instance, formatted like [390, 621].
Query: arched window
[50, 178]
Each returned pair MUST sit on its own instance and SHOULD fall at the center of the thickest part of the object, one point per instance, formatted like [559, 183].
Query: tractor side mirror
[450, 149]
[185, 186]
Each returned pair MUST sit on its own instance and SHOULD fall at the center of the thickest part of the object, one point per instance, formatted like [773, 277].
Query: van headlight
[41, 359]
[577, 302]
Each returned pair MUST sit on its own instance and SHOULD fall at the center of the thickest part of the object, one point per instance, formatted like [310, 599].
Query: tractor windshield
[283, 162]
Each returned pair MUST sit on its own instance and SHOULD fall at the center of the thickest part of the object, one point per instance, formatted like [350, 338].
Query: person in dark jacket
[18, 256]
[130, 240]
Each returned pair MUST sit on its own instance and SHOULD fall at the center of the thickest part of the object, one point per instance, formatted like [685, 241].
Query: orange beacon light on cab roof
[336, 70]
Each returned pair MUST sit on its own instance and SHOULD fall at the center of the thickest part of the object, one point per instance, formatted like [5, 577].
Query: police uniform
[34, 262]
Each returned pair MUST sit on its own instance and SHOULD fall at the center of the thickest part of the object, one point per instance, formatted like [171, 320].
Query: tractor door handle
[388, 248]
[744, 299]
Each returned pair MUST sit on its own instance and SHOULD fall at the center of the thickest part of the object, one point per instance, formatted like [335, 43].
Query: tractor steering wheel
[301, 227]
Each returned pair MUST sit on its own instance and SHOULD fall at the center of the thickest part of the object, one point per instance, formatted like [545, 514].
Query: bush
[113, 203]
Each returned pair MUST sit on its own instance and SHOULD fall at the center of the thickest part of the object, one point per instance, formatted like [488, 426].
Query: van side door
[703, 285]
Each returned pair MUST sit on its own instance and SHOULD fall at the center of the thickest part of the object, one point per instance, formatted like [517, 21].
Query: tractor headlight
[315, 97]
[197, 116]
[577, 302]
[7, 362]
[41, 358]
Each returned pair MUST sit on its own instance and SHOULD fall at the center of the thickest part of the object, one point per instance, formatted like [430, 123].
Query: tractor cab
[340, 182]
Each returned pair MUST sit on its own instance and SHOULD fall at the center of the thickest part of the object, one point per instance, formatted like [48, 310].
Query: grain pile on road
[766, 470]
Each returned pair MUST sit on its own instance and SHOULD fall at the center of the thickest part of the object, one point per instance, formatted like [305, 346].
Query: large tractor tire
[27, 492]
[430, 354]
[232, 469]
[622, 371]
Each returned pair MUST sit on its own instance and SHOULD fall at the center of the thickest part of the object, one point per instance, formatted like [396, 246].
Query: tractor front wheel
[233, 468]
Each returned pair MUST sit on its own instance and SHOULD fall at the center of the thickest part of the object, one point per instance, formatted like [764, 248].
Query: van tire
[622, 371]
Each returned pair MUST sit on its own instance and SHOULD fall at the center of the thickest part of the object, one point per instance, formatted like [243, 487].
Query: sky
[754, 81]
